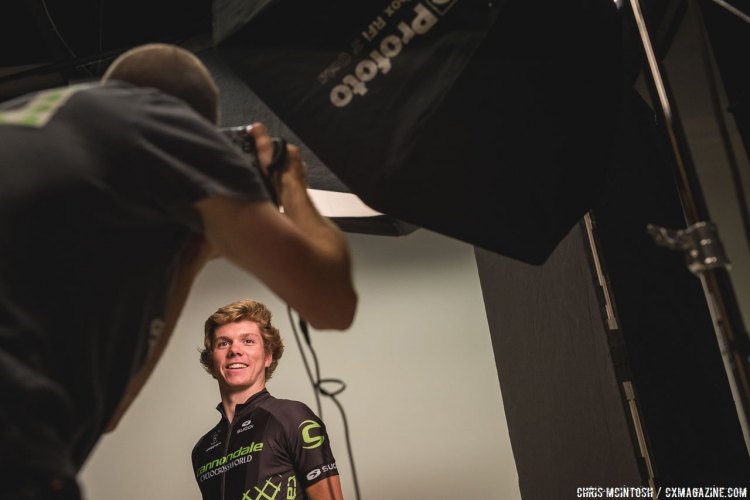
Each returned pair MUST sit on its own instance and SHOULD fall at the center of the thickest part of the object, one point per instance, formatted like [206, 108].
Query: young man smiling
[240, 361]
[262, 447]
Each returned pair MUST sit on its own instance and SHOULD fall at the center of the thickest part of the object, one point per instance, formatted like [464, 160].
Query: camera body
[239, 136]
[246, 143]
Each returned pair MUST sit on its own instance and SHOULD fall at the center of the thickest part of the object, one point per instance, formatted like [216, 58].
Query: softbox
[486, 121]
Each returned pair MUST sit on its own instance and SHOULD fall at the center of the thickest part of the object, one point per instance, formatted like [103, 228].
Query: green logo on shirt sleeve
[312, 441]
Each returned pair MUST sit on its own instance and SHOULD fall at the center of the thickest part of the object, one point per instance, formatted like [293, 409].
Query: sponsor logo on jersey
[246, 426]
[238, 453]
[214, 441]
[315, 473]
[311, 434]
[291, 488]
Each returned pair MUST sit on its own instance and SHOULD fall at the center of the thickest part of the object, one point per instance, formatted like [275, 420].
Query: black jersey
[273, 450]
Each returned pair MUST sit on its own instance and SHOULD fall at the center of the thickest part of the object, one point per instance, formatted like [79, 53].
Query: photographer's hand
[289, 176]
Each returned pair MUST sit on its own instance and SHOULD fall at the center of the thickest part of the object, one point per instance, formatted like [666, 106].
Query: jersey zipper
[230, 428]
[226, 451]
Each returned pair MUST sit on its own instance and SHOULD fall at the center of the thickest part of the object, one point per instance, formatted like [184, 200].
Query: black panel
[567, 422]
[689, 413]
[557, 370]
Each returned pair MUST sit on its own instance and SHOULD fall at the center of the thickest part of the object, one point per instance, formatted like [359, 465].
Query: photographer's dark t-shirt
[97, 186]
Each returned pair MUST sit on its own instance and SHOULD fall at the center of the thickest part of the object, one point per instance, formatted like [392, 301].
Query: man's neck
[230, 399]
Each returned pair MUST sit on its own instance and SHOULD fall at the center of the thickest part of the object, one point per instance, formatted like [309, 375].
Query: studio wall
[422, 398]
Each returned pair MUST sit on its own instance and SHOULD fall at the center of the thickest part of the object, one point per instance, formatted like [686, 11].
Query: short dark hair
[172, 70]
[243, 310]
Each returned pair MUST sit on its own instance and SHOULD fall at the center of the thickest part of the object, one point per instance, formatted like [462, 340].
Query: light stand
[700, 240]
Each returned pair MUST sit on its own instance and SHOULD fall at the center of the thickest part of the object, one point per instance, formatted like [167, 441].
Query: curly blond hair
[242, 310]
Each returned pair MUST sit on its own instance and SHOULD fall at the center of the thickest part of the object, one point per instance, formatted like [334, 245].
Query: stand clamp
[700, 242]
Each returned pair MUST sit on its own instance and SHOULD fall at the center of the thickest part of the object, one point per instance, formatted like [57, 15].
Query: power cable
[59, 35]
[57, 31]
[101, 36]
[317, 384]
[306, 363]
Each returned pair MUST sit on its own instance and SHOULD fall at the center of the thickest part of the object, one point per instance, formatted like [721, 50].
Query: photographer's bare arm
[300, 255]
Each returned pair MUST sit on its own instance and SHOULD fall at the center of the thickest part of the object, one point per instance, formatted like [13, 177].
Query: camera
[246, 143]
[239, 137]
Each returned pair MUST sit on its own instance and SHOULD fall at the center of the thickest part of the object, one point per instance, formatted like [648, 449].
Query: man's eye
[222, 343]
[249, 341]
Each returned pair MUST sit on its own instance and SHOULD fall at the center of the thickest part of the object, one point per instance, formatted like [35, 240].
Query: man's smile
[233, 366]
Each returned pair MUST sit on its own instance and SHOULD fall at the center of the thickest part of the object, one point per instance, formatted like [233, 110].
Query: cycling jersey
[272, 450]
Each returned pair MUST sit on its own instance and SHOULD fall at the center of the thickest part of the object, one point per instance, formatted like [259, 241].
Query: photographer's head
[172, 70]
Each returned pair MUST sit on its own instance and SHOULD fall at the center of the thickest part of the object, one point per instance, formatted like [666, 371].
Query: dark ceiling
[74, 37]
[43, 31]
[46, 43]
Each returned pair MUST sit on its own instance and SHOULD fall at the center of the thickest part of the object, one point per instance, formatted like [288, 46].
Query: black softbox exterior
[486, 121]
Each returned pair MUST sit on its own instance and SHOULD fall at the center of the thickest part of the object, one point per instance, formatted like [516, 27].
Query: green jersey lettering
[240, 452]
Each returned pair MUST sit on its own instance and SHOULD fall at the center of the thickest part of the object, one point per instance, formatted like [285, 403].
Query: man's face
[239, 358]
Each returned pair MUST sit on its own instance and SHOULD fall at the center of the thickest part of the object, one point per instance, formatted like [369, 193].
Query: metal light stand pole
[700, 240]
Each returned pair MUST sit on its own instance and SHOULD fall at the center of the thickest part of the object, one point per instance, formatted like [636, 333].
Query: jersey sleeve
[309, 445]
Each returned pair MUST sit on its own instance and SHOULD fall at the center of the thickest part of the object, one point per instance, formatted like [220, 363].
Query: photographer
[112, 197]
